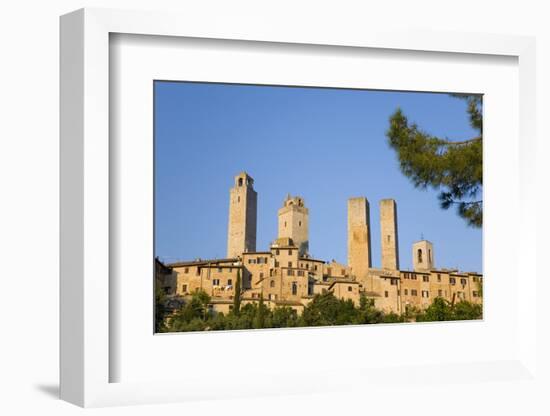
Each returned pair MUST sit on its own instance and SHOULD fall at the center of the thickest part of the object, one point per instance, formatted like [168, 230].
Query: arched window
[272, 283]
[240, 181]
[430, 255]
[294, 288]
[419, 255]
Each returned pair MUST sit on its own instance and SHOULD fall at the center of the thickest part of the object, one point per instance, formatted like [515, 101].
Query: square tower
[241, 234]
[423, 256]
[359, 249]
[389, 238]
[294, 223]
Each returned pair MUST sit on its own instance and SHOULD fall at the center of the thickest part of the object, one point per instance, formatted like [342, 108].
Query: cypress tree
[237, 297]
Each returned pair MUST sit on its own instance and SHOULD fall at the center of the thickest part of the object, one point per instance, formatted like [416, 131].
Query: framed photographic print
[299, 209]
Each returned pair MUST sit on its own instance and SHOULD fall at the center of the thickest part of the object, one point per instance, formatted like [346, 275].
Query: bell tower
[423, 256]
[241, 234]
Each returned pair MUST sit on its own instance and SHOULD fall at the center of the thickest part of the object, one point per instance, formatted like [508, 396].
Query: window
[290, 252]
[439, 293]
[285, 224]
[186, 270]
[294, 288]
[329, 271]
[386, 294]
[219, 269]
[474, 294]
[290, 272]
[414, 292]
[184, 288]
[276, 263]
[240, 181]
[438, 277]
[272, 283]
[452, 280]
[289, 264]
[406, 292]
[230, 270]
[463, 282]
[229, 282]
[419, 255]
[475, 279]
[216, 282]
[425, 278]
[315, 267]
[238, 199]
[299, 223]
[389, 238]
[343, 272]
[277, 252]
[350, 288]
[393, 282]
[300, 272]
[398, 292]
[425, 294]
[307, 266]
[261, 275]
[413, 276]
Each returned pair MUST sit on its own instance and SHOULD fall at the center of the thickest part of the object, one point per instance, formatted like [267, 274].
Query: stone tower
[241, 234]
[359, 249]
[293, 222]
[389, 238]
[423, 256]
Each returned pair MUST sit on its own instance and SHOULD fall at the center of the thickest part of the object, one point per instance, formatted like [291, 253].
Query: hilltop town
[285, 274]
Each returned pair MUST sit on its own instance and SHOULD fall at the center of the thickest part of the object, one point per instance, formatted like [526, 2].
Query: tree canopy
[455, 168]
[323, 310]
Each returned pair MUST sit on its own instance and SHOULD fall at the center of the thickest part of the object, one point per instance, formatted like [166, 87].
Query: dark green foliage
[192, 315]
[160, 309]
[439, 310]
[443, 310]
[237, 297]
[323, 310]
[453, 167]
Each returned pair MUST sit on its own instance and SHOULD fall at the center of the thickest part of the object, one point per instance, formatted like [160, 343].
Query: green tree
[284, 317]
[261, 314]
[453, 167]
[160, 309]
[193, 309]
[237, 296]
[439, 310]
[464, 310]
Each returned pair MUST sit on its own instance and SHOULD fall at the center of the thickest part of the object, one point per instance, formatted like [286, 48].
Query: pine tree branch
[453, 143]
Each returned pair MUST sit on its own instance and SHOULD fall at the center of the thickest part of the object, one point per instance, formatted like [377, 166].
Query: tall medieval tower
[241, 235]
[389, 237]
[359, 248]
[293, 222]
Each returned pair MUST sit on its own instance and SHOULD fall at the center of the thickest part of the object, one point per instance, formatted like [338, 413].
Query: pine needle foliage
[455, 168]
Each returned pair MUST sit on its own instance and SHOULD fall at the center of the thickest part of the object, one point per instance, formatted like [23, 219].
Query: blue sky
[325, 145]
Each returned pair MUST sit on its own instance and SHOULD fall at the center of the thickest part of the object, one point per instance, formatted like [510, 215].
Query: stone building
[287, 275]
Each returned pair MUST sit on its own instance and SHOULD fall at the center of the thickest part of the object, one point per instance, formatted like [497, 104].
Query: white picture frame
[86, 356]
